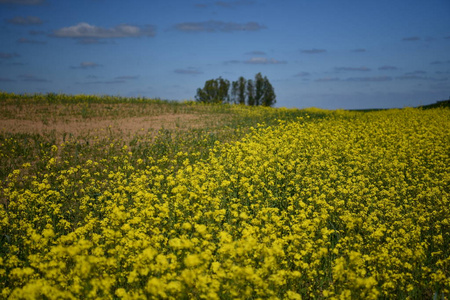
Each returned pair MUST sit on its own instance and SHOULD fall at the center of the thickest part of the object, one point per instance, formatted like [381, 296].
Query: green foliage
[250, 93]
[257, 92]
[269, 98]
[53, 98]
[214, 91]
[238, 92]
[443, 103]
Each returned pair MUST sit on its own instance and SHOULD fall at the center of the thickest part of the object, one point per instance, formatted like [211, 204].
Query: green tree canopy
[214, 91]
[251, 92]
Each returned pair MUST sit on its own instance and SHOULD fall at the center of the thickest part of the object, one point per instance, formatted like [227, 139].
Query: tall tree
[269, 98]
[250, 93]
[238, 90]
[214, 91]
[234, 92]
[259, 89]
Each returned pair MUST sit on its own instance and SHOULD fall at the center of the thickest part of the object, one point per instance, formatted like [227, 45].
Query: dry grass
[77, 126]
[123, 119]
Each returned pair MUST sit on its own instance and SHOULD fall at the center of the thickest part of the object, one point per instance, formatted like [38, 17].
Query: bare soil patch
[99, 126]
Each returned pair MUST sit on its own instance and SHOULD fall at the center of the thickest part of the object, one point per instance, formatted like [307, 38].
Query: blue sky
[323, 53]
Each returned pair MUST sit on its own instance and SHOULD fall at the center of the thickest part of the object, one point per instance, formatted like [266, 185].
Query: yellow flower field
[349, 206]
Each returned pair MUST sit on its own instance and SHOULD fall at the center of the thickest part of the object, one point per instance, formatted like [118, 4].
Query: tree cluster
[250, 92]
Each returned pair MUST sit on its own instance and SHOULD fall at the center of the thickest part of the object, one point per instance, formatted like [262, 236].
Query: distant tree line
[250, 92]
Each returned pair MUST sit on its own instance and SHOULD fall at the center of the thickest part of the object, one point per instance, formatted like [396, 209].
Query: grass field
[116, 198]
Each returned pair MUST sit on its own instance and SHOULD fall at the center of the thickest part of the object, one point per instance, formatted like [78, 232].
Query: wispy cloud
[313, 51]
[92, 41]
[256, 52]
[411, 39]
[257, 61]
[327, 79]
[218, 26]
[438, 62]
[413, 77]
[3, 79]
[264, 61]
[37, 32]
[25, 21]
[225, 4]
[418, 72]
[86, 65]
[233, 4]
[387, 68]
[93, 33]
[188, 71]
[417, 75]
[27, 41]
[233, 61]
[302, 74]
[115, 81]
[364, 69]
[32, 78]
[23, 2]
[126, 78]
[370, 79]
[16, 64]
[356, 79]
[4, 55]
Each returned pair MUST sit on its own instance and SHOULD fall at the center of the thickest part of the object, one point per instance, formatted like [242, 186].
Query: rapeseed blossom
[351, 206]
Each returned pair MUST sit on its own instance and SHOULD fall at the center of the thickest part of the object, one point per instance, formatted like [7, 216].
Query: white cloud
[364, 69]
[263, 61]
[87, 65]
[370, 79]
[218, 26]
[257, 61]
[87, 31]
[313, 51]
[188, 71]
